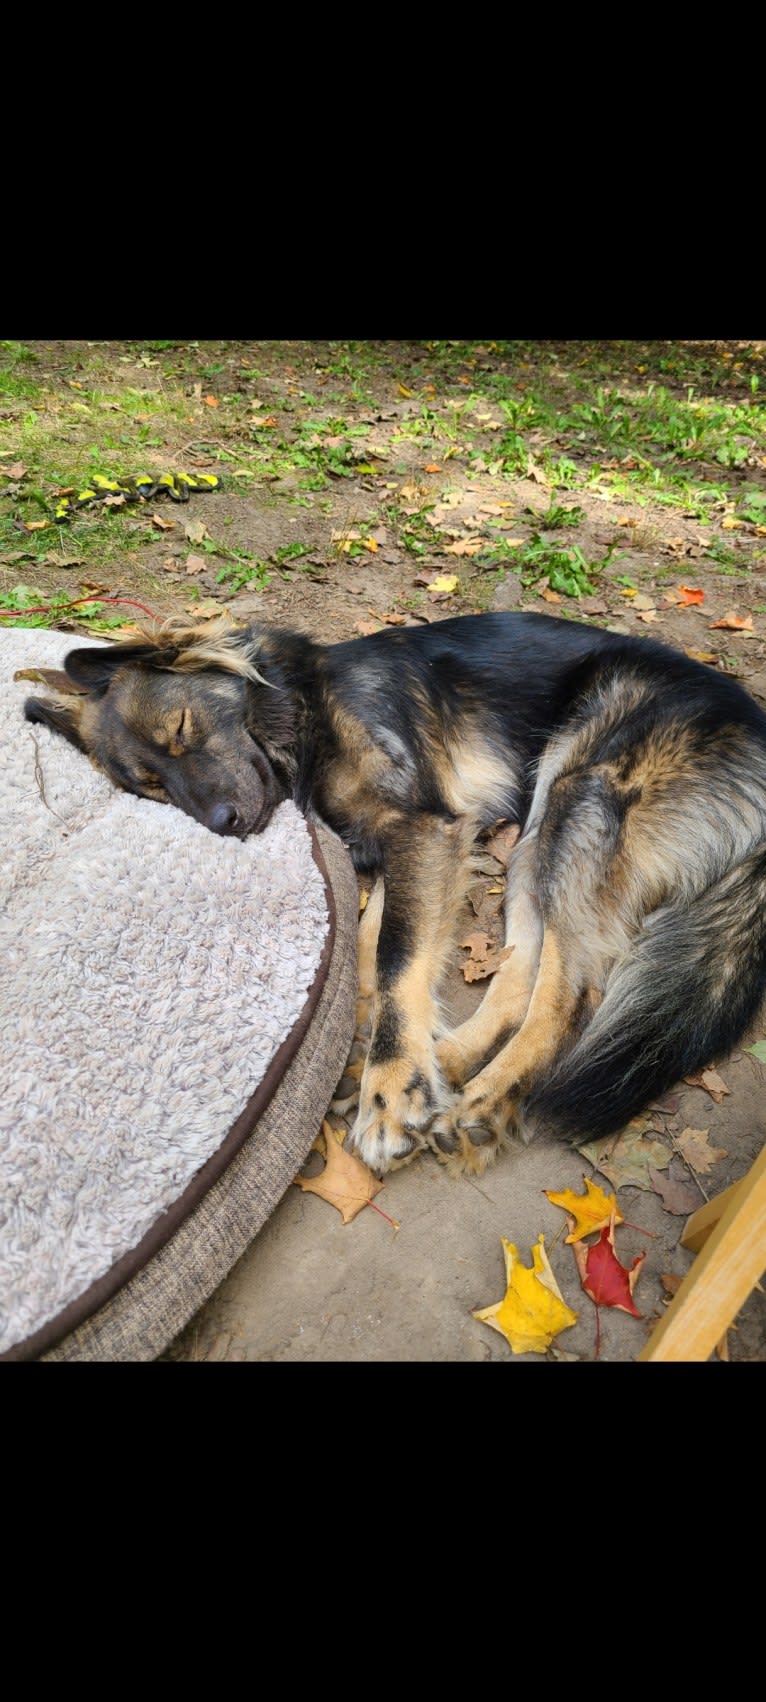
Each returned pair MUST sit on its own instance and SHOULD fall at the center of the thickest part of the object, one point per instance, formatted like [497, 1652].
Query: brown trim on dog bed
[126, 1267]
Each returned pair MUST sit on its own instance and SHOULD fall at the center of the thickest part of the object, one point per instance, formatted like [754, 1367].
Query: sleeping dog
[635, 903]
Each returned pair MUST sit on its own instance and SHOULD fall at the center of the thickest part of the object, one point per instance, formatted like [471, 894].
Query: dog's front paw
[398, 1101]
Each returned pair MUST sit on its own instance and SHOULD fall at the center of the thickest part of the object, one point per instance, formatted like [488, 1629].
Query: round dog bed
[177, 1009]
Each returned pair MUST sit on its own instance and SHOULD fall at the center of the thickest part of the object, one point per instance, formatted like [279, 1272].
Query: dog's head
[183, 717]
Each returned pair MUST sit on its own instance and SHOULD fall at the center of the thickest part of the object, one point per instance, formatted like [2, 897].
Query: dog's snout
[223, 818]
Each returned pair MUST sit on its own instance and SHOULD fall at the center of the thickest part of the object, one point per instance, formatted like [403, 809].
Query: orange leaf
[432, 468]
[690, 594]
[211, 402]
[734, 622]
[345, 1182]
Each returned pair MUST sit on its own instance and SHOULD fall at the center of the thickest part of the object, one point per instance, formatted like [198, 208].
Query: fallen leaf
[670, 1282]
[712, 1083]
[204, 609]
[345, 1182]
[54, 678]
[17, 471]
[646, 615]
[115, 501]
[481, 971]
[730, 523]
[627, 520]
[695, 1149]
[734, 622]
[690, 594]
[366, 628]
[36, 525]
[587, 1212]
[432, 468]
[625, 1161]
[703, 655]
[195, 531]
[162, 525]
[465, 547]
[550, 596]
[758, 1051]
[629, 591]
[195, 564]
[478, 945]
[370, 544]
[603, 1277]
[403, 391]
[533, 1309]
[679, 1195]
[500, 843]
[641, 601]
[448, 583]
[212, 402]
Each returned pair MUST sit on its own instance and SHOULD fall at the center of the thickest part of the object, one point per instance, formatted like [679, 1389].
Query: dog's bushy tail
[688, 992]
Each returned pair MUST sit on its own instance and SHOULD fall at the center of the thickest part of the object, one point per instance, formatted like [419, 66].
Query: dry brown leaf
[204, 609]
[17, 471]
[162, 525]
[703, 655]
[646, 615]
[346, 1183]
[730, 523]
[695, 1148]
[480, 971]
[478, 944]
[195, 531]
[36, 525]
[679, 1195]
[500, 843]
[465, 547]
[712, 1083]
[550, 596]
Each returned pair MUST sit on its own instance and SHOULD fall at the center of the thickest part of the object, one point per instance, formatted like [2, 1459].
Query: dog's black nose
[223, 818]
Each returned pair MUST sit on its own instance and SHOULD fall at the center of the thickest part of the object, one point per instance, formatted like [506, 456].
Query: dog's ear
[94, 669]
[61, 714]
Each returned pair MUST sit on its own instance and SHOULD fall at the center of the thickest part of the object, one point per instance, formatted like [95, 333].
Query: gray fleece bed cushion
[176, 1011]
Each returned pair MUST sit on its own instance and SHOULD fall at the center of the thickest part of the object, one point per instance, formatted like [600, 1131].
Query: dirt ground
[621, 484]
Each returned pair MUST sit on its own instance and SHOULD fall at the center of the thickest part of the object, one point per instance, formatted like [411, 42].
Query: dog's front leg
[425, 868]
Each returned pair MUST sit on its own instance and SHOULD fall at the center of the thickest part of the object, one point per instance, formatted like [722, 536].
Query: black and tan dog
[636, 900]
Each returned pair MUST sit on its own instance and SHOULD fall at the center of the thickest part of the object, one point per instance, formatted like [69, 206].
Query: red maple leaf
[603, 1277]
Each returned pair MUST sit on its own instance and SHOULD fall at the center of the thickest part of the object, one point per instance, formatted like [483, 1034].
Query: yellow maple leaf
[345, 1182]
[445, 582]
[590, 1210]
[532, 1310]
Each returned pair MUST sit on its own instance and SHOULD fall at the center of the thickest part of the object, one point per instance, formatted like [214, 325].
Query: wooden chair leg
[731, 1231]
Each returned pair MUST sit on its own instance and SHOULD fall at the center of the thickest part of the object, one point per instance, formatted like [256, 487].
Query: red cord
[48, 608]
